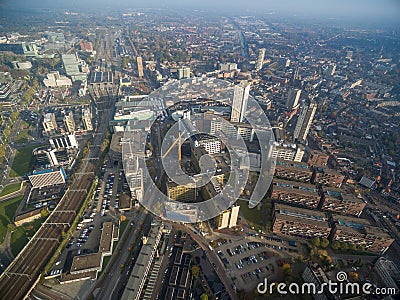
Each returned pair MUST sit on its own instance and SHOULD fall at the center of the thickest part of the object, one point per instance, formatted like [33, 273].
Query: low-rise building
[336, 200]
[293, 171]
[327, 177]
[299, 222]
[360, 232]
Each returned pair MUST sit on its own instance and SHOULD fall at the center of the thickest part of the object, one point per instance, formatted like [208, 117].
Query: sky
[357, 9]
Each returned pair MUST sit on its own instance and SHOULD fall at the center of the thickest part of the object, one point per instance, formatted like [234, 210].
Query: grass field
[19, 237]
[7, 211]
[23, 136]
[11, 188]
[22, 162]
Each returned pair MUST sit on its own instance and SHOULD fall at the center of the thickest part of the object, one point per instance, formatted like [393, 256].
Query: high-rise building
[87, 119]
[293, 98]
[239, 103]
[304, 121]
[228, 218]
[69, 122]
[260, 59]
[183, 72]
[139, 62]
[49, 123]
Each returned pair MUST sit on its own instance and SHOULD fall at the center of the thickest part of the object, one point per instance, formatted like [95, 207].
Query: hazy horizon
[367, 10]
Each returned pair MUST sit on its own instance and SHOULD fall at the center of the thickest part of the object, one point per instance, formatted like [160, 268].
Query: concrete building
[327, 177]
[314, 274]
[135, 286]
[299, 194]
[260, 59]
[360, 232]
[181, 193]
[227, 67]
[75, 68]
[239, 102]
[183, 72]
[388, 272]
[293, 98]
[49, 123]
[228, 218]
[304, 122]
[47, 178]
[211, 144]
[317, 158]
[299, 222]
[28, 216]
[69, 122]
[139, 62]
[27, 49]
[296, 171]
[336, 200]
[54, 79]
[87, 119]
[64, 142]
[26, 65]
[286, 151]
[101, 84]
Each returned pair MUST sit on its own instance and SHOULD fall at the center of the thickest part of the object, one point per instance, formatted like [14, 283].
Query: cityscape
[199, 151]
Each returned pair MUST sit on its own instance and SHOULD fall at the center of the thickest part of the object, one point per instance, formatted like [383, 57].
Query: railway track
[21, 276]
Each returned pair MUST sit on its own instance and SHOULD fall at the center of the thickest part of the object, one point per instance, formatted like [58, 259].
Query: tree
[204, 296]
[44, 212]
[324, 242]
[353, 276]
[335, 245]
[316, 241]
[11, 227]
[195, 271]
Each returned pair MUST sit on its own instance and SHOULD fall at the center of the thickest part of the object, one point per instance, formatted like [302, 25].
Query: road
[213, 258]
[113, 279]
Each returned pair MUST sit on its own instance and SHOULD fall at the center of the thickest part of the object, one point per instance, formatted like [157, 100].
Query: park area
[7, 212]
[22, 162]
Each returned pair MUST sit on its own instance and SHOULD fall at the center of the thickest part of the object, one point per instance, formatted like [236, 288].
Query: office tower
[260, 59]
[293, 98]
[140, 66]
[69, 122]
[239, 103]
[304, 121]
[330, 70]
[228, 218]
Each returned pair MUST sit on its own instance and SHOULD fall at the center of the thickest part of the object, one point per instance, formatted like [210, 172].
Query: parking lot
[103, 207]
[248, 262]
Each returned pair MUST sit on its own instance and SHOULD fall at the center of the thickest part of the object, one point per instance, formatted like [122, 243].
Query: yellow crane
[177, 141]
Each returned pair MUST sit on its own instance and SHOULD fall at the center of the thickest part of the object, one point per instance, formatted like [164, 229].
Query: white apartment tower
[239, 103]
[304, 121]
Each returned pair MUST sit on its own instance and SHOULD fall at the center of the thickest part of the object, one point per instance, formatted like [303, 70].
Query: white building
[54, 79]
[49, 123]
[304, 121]
[69, 122]
[290, 152]
[260, 59]
[239, 103]
[87, 119]
[293, 98]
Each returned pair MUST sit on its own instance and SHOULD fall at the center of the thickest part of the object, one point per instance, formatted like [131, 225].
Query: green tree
[10, 227]
[335, 245]
[195, 271]
[316, 241]
[204, 296]
[324, 243]
[44, 212]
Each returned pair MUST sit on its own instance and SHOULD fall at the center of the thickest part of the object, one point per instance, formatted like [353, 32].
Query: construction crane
[177, 141]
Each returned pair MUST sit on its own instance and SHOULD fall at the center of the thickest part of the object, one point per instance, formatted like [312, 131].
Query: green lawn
[7, 211]
[254, 216]
[19, 237]
[23, 136]
[11, 188]
[22, 162]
